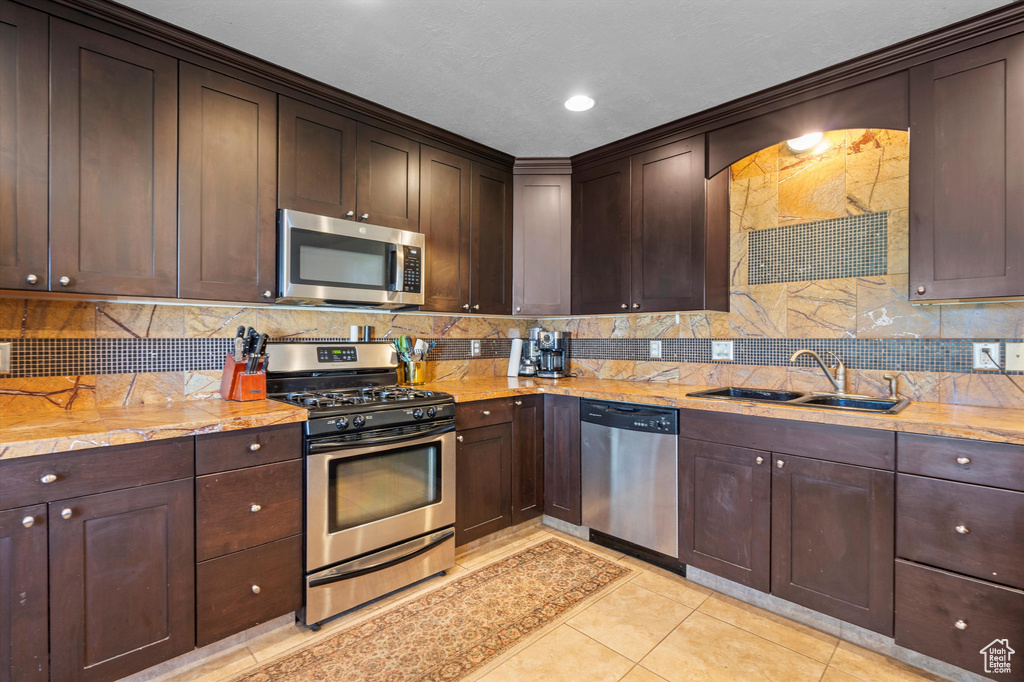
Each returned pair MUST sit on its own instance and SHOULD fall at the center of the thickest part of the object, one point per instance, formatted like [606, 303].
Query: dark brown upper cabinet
[445, 188]
[388, 185]
[24, 112]
[317, 171]
[600, 239]
[541, 246]
[227, 173]
[491, 248]
[967, 174]
[113, 165]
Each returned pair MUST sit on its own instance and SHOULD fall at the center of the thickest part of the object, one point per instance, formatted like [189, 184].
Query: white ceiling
[498, 71]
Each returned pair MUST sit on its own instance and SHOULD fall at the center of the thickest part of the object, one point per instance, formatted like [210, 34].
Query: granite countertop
[41, 433]
[959, 421]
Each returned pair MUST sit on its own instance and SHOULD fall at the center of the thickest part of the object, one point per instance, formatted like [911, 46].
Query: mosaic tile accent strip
[853, 246]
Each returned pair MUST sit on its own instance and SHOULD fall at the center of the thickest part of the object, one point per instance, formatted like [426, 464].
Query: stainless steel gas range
[380, 472]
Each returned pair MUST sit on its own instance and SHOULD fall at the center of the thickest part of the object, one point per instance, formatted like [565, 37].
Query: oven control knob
[417, 413]
[358, 421]
[342, 423]
[431, 412]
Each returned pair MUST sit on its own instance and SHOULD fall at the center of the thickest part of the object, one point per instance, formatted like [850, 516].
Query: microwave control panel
[336, 354]
[413, 256]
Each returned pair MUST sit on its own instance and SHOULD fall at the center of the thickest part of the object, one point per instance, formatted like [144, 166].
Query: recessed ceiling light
[804, 143]
[579, 103]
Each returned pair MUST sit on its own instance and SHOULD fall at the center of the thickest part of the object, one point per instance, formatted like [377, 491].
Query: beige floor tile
[630, 620]
[220, 668]
[705, 648]
[668, 585]
[641, 674]
[837, 675]
[792, 635]
[867, 665]
[500, 548]
[564, 654]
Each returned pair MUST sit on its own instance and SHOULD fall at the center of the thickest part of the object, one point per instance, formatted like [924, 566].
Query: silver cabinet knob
[458, 438]
[465, 306]
[519, 402]
[636, 306]
[48, 478]
[623, 306]
[519, 308]
[963, 530]
[365, 216]
[487, 413]
[350, 214]
[28, 522]
[255, 508]
[255, 589]
[963, 460]
[960, 625]
[31, 279]
[759, 459]
[66, 513]
[476, 307]
[920, 291]
[268, 294]
[254, 447]
[64, 281]
[779, 463]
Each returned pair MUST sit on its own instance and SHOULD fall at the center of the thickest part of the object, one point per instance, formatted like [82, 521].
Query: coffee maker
[552, 348]
[529, 360]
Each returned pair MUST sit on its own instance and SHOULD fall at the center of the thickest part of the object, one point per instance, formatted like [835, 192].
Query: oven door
[366, 497]
[327, 259]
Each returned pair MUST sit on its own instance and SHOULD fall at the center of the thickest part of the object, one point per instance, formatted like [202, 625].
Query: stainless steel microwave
[343, 262]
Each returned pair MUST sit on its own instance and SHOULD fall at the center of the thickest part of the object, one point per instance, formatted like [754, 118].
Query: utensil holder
[415, 372]
[235, 384]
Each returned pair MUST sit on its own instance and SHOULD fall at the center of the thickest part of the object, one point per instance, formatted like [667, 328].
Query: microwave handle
[396, 266]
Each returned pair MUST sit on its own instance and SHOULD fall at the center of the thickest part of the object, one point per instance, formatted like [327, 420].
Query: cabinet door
[24, 108]
[317, 160]
[668, 227]
[967, 174]
[491, 290]
[113, 165]
[444, 222]
[116, 612]
[527, 458]
[541, 244]
[601, 239]
[23, 598]
[483, 482]
[832, 539]
[226, 173]
[562, 475]
[388, 179]
[725, 511]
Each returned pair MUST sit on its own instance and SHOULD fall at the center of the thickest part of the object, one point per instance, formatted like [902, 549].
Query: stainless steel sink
[830, 401]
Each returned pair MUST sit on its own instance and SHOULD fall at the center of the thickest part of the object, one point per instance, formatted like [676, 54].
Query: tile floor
[653, 627]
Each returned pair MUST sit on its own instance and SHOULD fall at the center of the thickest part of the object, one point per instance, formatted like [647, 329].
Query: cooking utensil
[257, 352]
[239, 343]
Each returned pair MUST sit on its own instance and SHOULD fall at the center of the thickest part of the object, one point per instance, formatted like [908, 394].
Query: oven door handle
[393, 557]
[318, 447]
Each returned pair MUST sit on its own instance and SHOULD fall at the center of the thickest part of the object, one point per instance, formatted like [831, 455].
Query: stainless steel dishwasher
[630, 482]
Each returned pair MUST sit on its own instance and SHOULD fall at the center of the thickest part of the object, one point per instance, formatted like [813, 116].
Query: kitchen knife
[239, 342]
[250, 341]
[254, 358]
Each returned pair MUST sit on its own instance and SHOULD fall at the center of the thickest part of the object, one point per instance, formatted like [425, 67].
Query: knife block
[235, 384]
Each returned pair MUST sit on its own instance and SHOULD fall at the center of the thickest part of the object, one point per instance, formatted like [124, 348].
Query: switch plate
[5, 358]
[474, 348]
[655, 350]
[989, 360]
[721, 350]
[1015, 357]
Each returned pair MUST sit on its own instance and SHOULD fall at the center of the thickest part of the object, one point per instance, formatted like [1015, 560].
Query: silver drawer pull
[254, 447]
[255, 589]
[255, 508]
[779, 463]
[487, 413]
[962, 530]
[28, 522]
[66, 514]
[48, 478]
[963, 460]
[960, 625]
[759, 459]
[458, 438]
[519, 402]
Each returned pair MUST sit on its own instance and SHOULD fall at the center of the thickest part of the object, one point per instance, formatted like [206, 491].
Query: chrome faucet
[839, 380]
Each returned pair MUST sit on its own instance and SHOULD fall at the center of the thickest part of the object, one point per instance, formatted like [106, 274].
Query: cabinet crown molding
[542, 166]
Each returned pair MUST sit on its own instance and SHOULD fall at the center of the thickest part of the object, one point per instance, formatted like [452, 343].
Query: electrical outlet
[986, 355]
[655, 350]
[5, 358]
[721, 350]
[474, 348]
[1015, 357]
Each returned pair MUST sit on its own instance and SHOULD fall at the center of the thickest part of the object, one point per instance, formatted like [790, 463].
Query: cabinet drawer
[239, 449]
[959, 459]
[236, 592]
[930, 603]
[225, 520]
[961, 527]
[483, 413]
[96, 470]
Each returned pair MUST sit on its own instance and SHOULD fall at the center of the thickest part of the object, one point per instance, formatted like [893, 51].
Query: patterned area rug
[455, 629]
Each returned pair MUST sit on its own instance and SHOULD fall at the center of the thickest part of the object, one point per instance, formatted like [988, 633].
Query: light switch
[5, 358]
[1015, 357]
[721, 350]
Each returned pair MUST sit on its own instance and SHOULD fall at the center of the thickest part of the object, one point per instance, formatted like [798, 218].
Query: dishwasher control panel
[631, 417]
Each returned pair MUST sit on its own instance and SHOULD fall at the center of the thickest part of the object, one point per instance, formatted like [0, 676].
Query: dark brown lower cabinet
[725, 511]
[122, 581]
[483, 474]
[23, 598]
[562, 476]
[832, 539]
[527, 458]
